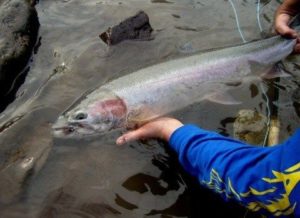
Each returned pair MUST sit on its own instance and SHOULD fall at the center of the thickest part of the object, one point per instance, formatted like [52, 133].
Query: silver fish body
[163, 88]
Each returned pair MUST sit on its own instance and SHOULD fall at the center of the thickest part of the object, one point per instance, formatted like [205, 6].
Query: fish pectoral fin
[139, 116]
[222, 98]
[257, 67]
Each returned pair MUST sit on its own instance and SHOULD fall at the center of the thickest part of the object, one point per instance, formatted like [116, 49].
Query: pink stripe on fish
[115, 107]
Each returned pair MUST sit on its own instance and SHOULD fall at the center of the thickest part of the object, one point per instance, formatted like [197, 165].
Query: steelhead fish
[160, 89]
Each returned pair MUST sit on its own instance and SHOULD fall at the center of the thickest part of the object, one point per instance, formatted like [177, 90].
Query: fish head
[97, 113]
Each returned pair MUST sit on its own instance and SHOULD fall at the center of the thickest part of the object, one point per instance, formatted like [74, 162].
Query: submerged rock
[296, 95]
[250, 126]
[60, 203]
[136, 27]
[19, 27]
[21, 161]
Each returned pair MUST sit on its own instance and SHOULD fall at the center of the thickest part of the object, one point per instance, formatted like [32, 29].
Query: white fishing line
[263, 90]
[268, 113]
[261, 86]
[268, 126]
[258, 15]
[237, 21]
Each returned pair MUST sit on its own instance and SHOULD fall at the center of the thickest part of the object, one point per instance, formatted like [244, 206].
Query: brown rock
[250, 126]
[19, 27]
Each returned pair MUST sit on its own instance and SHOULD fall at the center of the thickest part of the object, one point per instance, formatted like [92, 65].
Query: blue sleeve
[264, 179]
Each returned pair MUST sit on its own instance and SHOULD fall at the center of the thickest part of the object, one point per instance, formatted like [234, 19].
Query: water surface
[46, 177]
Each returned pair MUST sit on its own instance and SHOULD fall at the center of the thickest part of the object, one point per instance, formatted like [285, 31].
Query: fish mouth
[71, 132]
[63, 129]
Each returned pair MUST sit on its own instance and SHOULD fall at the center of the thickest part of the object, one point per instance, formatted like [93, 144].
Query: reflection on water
[45, 177]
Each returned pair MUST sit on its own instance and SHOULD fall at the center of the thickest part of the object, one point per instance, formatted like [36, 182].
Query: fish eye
[80, 116]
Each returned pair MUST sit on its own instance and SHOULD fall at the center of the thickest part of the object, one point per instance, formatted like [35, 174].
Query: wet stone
[296, 95]
[17, 171]
[250, 126]
[63, 204]
[19, 27]
[136, 27]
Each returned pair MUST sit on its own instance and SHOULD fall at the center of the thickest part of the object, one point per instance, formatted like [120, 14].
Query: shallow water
[45, 177]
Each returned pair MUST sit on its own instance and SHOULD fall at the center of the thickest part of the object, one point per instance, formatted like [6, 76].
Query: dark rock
[136, 27]
[19, 27]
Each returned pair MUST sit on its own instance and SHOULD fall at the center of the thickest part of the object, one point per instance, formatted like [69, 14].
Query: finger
[286, 31]
[130, 136]
[121, 140]
[283, 28]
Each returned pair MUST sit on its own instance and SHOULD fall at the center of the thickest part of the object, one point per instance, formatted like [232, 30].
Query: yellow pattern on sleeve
[279, 204]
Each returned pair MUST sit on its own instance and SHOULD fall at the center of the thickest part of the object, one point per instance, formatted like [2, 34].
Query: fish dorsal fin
[222, 98]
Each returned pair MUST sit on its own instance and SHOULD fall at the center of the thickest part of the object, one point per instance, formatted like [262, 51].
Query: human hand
[160, 128]
[284, 14]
